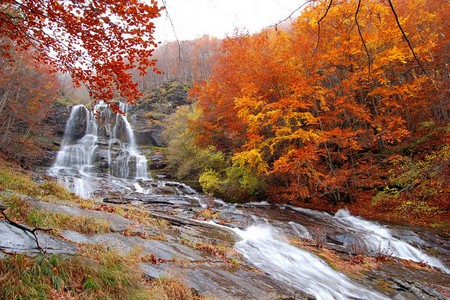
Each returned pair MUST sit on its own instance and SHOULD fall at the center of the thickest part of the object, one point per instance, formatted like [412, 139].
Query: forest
[348, 105]
[338, 110]
[310, 160]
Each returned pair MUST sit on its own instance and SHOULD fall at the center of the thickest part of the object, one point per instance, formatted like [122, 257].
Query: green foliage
[236, 183]
[427, 125]
[186, 159]
[385, 195]
[424, 175]
[249, 182]
[417, 186]
[208, 167]
[211, 182]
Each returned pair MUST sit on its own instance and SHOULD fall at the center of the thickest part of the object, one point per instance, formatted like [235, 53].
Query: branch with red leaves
[97, 42]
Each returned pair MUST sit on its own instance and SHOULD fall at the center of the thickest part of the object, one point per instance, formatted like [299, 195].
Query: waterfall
[97, 141]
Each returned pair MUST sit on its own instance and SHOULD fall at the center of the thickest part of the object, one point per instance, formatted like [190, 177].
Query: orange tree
[311, 113]
[25, 95]
[97, 42]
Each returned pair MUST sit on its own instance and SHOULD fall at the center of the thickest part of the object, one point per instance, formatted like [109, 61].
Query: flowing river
[99, 153]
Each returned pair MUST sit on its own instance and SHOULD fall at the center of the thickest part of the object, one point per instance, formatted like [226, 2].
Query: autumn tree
[25, 95]
[312, 107]
[97, 42]
[183, 61]
[187, 160]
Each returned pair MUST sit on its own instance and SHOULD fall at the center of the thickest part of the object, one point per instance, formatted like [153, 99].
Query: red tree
[97, 42]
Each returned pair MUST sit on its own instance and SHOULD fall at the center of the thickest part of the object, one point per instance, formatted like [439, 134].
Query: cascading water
[377, 238]
[266, 247]
[97, 142]
[121, 135]
[374, 238]
[269, 251]
[96, 147]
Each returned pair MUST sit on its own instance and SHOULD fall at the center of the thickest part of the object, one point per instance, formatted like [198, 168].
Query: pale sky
[194, 18]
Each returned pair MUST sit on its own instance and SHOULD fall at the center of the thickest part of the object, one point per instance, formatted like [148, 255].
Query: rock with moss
[157, 104]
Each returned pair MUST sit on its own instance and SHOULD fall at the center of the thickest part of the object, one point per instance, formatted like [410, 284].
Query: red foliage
[26, 92]
[97, 42]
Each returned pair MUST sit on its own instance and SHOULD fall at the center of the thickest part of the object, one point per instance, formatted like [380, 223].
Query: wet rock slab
[416, 283]
[16, 240]
[226, 282]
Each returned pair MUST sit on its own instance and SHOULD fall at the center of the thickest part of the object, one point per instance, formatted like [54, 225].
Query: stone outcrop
[150, 111]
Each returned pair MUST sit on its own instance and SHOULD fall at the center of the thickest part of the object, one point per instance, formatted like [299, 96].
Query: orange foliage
[310, 113]
[26, 92]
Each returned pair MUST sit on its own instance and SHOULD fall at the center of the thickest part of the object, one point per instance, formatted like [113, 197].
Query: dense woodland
[345, 106]
[339, 109]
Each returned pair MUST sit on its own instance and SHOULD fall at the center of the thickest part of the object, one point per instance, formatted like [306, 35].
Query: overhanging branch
[369, 59]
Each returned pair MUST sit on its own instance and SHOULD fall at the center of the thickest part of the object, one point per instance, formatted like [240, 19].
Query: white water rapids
[268, 250]
[379, 238]
[266, 247]
[375, 238]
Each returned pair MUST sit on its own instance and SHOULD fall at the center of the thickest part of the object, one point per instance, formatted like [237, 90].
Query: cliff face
[147, 115]
[50, 142]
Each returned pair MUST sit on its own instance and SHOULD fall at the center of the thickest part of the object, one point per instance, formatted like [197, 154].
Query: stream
[99, 159]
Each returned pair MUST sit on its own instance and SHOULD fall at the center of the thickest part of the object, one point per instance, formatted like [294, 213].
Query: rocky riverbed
[202, 240]
[227, 251]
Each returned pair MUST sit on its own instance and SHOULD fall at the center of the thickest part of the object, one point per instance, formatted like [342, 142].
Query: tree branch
[369, 59]
[290, 16]
[406, 38]
[20, 226]
[318, 24]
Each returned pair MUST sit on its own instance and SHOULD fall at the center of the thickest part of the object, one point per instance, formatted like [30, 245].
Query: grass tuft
[56, 191]
[166, 288]
[15, 181]
[21, 211]
[98, 273]
[60, 221]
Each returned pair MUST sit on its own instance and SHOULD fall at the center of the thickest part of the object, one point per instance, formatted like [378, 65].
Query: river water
[99, 152]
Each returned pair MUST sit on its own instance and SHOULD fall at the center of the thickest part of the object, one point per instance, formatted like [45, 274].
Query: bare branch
[292, 13]
[173, 29]
[369, 59]
[406, 38]
[26, 229]
[318, 24]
